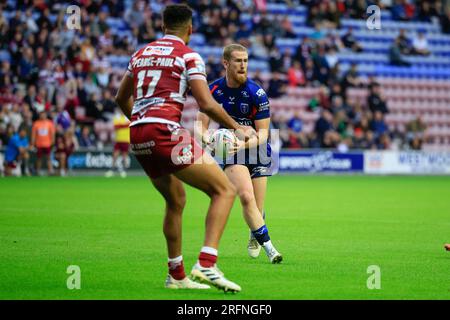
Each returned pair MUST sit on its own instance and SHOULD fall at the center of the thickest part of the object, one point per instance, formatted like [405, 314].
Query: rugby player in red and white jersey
[152, 94]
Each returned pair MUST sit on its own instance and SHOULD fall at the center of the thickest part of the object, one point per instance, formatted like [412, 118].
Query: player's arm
[212, 109]
[202, 125]
[124, 96]
[262, 130]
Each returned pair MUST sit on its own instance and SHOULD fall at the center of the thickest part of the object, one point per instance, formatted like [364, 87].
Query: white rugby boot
[253, 248]
[215, 277]
[185, 283]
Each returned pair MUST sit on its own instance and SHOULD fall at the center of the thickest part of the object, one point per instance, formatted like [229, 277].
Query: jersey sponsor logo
[143, 148]
[231, 100]
[140, 106]
[219, 92]
[157, 51]
[244, 107]
[243, 121]
[153, 62]
[245, 94]
[260, 93]
[264, 106]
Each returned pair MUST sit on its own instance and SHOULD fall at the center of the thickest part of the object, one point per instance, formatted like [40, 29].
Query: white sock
[176, 260]
[209, 250]
[268, 246]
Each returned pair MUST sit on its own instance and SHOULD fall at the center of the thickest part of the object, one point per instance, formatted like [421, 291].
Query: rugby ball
[221, 141]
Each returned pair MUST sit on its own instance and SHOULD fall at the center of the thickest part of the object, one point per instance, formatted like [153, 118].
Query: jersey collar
[172, 37]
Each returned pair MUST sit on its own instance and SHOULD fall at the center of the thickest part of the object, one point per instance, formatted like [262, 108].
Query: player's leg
[173, 192]
[49, 162]
[207, 176]
[110, 173]
[38, 162]
[124, 163]
[24, 157]
[259, 189]
[62, 164]
[8, 169]
[239, 175]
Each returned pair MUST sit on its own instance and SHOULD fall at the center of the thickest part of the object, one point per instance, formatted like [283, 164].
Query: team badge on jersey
[244, 108]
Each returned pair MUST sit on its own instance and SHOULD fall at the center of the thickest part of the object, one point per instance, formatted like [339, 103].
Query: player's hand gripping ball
[222, 141]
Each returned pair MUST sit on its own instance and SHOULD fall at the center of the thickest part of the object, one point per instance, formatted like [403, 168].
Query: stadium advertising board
[97, 160]
[406, 162]
[320, 161]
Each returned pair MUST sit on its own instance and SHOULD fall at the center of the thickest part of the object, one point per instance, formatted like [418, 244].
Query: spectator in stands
[378, 124]
[357, 9]
[275, 60]
[444, 19]
[17, 153]
[350, 78]
[134, 16]
[321, 65]
[321, 100]
[108, 104]
[303, 51]
[415, 133]
[324, 125]
[395, 56]
[295, 75]
[331, 58]
[403, 43]
[376, 101]
[43, 139]
[244, 31]
[86, 138]
[420, 44]
[94, 108]
[310, 72]
[277, 86]
[63, 120]
[349, 41]
[295, 124]
[318, 34]
[424, 13]
[287, 30]
[338, 105]
[313, 16]
[257, 78]
[66, 144]
[402, 10]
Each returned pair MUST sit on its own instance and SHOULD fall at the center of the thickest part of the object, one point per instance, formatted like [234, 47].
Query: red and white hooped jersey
[161, 71]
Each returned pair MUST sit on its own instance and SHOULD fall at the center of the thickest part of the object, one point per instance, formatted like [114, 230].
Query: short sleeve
[195, 66]
[262, 104]
[129, 71]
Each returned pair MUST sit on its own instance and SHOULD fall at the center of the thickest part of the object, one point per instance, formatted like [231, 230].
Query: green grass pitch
[329, 229]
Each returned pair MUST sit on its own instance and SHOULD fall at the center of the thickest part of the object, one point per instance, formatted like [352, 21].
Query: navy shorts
[255, 167]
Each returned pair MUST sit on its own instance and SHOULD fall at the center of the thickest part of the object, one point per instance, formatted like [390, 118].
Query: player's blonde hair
[229, 49]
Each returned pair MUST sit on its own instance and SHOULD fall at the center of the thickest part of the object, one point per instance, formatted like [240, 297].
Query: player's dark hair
[176, 16]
